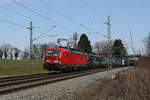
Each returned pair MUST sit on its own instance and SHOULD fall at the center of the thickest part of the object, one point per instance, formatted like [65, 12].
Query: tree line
[8, 51]
[83, 44]
[117, 47]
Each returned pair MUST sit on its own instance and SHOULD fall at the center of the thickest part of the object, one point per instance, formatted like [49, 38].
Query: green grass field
[19, 67]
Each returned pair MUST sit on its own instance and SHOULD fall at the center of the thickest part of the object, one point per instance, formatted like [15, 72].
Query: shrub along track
[16, 83]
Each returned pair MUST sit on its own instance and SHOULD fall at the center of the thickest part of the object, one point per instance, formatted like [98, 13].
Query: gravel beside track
[64, 90]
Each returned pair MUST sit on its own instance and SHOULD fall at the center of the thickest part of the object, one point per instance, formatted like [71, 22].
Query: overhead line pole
[31, 40]
[109, 43]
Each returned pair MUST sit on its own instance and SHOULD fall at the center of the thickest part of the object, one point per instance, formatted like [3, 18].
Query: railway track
[12, 78]
[16, 83]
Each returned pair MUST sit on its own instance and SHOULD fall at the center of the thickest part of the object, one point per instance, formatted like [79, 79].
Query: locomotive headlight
[48, 61]
[57, 61]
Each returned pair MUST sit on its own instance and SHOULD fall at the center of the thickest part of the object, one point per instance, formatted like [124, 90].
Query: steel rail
[57, 78]
[20, 76]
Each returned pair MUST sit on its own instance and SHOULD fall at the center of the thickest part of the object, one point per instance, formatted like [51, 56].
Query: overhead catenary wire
[51, 35]
[13, 11]
[59, 12]
[133, 49]
[39, 14]
[93, 23]
[44, 33]
[90, 8]
[29, 9]
[93, 30]
[12, 23]
[56, 10]
[16, 12]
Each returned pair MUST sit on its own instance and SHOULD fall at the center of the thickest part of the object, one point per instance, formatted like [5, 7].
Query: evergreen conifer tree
[118, 49]
[84, 44]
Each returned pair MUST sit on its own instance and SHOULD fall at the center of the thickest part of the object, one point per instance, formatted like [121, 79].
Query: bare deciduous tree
[36, 51]
[75, 38]
[44, 48]
[148, 45]
[5, 49]
[25, 54]
[11, 53]
[1, 54]
[16, 52]
[101, 46]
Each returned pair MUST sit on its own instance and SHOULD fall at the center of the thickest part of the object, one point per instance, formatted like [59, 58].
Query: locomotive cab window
[53, 53]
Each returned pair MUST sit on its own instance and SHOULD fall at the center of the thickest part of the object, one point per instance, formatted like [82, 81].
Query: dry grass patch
[92, 90]
[133, 84]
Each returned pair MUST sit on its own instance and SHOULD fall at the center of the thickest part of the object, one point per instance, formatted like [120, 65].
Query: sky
[67, 15]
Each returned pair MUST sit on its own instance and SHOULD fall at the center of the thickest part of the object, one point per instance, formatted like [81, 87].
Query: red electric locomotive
[59, 59]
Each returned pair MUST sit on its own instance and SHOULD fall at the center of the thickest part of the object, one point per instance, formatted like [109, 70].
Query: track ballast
[13, 84]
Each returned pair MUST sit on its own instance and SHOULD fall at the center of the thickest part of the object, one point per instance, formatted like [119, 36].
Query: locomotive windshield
[53, 52]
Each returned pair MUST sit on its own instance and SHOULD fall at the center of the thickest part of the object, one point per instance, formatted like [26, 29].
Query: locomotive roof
[58, 48]
[75, 51]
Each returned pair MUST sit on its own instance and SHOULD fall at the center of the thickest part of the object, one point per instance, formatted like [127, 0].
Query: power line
[90, 8]
[12, 23]
[93, 30]
[44, 33]
[51, 35]
[13, 11]
[56, 10]
[93, 23]
[50, 6]
[31, 10]
[133, 49]
[39, 14]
